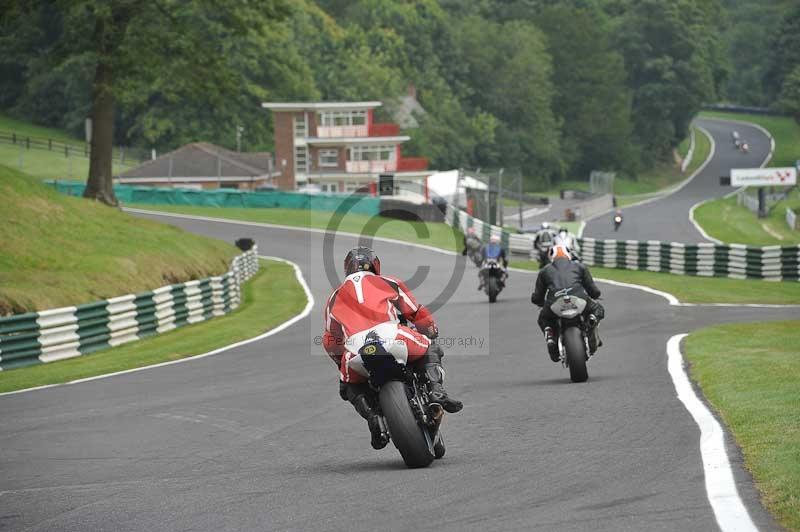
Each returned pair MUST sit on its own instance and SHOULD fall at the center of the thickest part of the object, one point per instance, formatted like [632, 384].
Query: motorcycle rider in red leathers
[368, 303]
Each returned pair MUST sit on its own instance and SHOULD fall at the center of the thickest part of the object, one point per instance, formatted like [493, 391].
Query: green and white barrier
[774, 263]
[37, 337]
[460, 219]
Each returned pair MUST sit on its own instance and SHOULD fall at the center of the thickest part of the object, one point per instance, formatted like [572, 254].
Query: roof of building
[202, 159]
[319, 106]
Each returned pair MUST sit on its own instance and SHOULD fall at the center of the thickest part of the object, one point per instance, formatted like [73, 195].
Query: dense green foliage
[763, 42]
[553, 89]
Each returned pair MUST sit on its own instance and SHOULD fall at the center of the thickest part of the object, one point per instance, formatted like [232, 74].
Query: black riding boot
[432, 367]
[376, 423]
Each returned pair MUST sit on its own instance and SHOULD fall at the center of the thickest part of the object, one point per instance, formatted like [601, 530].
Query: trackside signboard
[760, 177]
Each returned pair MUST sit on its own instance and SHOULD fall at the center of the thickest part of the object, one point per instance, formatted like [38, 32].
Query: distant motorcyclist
[565, 238]
[543, 241]
[471, 241]
[564, 273]
[617, 219]
[494, 250]
[368, 304]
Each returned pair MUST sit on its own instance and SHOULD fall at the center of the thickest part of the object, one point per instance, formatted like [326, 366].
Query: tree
[784, 54]
[132, 44]
[789, 101]
[672, 59]
[591, 97]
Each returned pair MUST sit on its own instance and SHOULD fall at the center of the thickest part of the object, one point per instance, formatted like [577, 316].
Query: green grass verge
[57, 250]
[22, 128]
[432, 234]
[750, 373]
[48, 165]
[689, 289]
[42, 163]
[270, 298]
[723, 219]
[783, 129]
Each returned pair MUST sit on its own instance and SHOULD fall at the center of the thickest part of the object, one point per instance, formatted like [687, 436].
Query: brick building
[339, 147]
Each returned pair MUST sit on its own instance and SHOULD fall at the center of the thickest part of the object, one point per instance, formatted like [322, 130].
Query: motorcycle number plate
[568, 307]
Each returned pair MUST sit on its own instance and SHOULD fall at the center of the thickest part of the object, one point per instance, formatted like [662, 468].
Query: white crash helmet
[494, 239]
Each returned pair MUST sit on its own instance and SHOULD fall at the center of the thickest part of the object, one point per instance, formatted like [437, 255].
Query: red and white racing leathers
[366, 303]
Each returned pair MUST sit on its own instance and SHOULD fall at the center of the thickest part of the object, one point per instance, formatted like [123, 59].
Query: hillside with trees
[553, 89]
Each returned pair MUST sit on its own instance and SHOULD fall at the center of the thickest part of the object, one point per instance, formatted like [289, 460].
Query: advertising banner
[763, 177]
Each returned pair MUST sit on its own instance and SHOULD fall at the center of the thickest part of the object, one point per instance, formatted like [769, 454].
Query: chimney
[412, 90]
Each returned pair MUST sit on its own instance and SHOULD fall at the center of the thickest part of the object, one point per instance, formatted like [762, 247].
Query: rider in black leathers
[561, 273]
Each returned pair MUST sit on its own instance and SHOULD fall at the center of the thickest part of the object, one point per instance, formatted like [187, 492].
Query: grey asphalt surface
[667, 219]
[257, 438]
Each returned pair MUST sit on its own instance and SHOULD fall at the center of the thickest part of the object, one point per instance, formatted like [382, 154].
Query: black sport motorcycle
[575, 337]
[492, 277]
[413, 419]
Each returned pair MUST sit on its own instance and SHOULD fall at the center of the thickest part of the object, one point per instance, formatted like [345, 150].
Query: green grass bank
[724, 220]
[43, 163]
[749, 373]
[270, 298]
[58, 251]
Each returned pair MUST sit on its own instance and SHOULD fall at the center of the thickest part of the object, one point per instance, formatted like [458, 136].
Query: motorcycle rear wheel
[403, 427]
[492, 288]
[576, 354]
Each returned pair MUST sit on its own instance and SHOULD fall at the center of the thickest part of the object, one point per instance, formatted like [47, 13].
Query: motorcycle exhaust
[437, 411]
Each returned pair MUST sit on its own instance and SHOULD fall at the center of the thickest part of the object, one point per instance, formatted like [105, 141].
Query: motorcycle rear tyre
[403, 427]
[576, 354]
[492, 288]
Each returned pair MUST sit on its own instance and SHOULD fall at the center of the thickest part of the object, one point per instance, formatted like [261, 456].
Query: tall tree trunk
[99, 186]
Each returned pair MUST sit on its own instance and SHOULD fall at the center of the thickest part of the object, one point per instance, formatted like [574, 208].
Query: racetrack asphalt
[257, 438]
[667, 219]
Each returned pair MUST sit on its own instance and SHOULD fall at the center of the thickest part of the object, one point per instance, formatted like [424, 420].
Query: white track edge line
[288, 228]
[729, 509]
[285, 325]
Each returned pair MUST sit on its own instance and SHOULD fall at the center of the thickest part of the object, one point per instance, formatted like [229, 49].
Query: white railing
[371, 166]
[791, 219]
[743, 198]
[342, 131]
